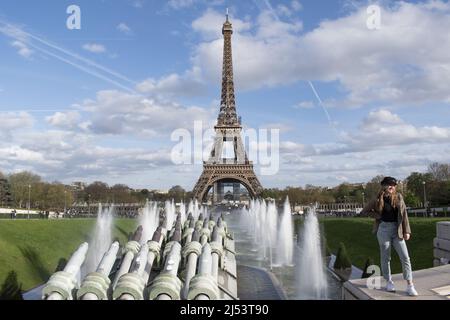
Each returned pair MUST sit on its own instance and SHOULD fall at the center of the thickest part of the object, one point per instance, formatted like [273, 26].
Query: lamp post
[29, 200]
[424, 195]
[65, 202]
[363, 199]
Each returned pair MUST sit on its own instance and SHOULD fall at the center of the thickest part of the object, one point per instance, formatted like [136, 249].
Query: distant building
[78, 186]
[160, 191]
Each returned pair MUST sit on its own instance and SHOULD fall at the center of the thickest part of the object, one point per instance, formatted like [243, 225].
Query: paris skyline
[100, 103]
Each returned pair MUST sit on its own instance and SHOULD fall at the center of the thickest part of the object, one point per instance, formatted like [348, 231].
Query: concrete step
[443, 230]
[440, 262]
[438, 253]
[441, 244]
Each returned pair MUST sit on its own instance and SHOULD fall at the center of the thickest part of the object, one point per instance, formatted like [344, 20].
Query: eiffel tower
[228, 162]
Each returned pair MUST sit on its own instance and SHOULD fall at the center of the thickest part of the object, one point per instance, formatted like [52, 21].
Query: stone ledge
[427, 283]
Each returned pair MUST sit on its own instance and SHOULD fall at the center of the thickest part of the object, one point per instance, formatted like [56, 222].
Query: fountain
[170, 213]
[102, 239]
[285, 240]
[271, 227]
[149, 220]
[312, 279]
[191, 209]
[183, 212]
[261, 222]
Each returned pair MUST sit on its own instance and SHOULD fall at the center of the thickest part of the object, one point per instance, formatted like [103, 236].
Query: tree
[273, 193]
[11, 289]
[177, 193]
[121, 193]
[342, 192]
[373, 187]
[439, 171]
[438, 193]
[414, 183]
[411, 200]
[98, 192]
[145, 193]
[19, 186]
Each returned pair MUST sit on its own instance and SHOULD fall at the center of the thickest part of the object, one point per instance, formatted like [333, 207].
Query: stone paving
[431, 284]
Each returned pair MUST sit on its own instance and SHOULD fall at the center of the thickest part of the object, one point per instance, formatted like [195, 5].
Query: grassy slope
[33, 247]
[357, 236]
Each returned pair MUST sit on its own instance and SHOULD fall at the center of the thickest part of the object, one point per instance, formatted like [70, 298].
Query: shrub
[342, 258]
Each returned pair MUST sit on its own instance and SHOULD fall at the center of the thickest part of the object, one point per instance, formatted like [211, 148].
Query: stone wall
[441, 244]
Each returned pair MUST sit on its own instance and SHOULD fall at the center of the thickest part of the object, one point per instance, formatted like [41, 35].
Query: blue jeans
[387, 236]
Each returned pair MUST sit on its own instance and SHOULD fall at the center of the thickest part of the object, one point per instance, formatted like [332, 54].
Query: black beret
[389, 181]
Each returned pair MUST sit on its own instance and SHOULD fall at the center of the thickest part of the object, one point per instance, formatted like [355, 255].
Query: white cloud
[16, 153]
[379, 131]
[209, 24]
[304, 105]
[66, 155]
[15, 121]
[123, 27]
[66, 120]
[22, 49]
[383, 128]
[296, 5]
[115, 112]
[182, 4]
[138, 3]
[175, 85]
[179, 4]
[398, 64]
[20, 39]
[284, 10]
[94, 47]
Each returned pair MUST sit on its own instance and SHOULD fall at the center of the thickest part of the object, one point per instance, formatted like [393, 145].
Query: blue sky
[101, 103]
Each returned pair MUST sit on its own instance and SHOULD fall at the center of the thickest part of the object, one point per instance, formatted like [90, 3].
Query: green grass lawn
[356, 234]
[33, 248]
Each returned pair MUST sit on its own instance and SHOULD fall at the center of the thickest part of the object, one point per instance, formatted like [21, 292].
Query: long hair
[384, 193]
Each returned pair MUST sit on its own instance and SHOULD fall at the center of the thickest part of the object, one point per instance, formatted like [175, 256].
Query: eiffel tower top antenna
[227, 115]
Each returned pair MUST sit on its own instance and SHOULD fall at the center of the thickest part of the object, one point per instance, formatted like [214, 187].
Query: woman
[392, 229]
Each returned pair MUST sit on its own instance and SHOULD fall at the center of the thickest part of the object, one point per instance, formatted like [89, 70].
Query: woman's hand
[407, 236]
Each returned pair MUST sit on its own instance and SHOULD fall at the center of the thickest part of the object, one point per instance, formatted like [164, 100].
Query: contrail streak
[321, 103]
[25, 37]
[82, 68]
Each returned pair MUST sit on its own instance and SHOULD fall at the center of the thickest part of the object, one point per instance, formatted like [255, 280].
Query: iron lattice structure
[222, 167]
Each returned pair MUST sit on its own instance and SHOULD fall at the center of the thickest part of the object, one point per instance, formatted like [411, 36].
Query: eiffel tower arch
[228, 161]
[213, 174]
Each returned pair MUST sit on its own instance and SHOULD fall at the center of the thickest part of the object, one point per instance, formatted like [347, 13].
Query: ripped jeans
[387, 237]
